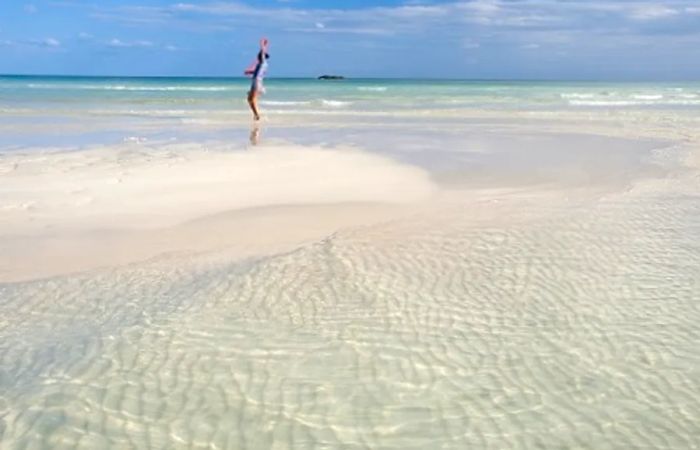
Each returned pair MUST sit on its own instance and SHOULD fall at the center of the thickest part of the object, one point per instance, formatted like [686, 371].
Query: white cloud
[414, 11]
[140, 44]
[344, 30]
[30, 9]
[47, 43]
[117, 43]
[221, 9]
[482, 7]
[653, 12]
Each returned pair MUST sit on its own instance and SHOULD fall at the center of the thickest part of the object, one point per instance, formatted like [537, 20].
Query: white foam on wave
[147, 112]
[16, 111]
[667, 102]
[135, 139]
[335, 103]
[152, 112]
[284, 103]
[648, 97]
[372, 88]
[306, 112]
[100, 87]
[577, 95]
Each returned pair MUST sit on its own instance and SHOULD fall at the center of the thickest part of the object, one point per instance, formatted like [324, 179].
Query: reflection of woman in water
[257, 71]
[255, 134]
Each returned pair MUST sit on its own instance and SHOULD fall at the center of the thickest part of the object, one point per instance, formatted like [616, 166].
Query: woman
[257, 71]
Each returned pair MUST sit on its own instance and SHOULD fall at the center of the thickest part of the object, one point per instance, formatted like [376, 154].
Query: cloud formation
[407, 18]
[47, 43]
[562, 26]
[517, 38]
[118, 43]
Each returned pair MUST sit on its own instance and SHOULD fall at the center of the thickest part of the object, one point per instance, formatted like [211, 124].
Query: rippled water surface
[574, 331]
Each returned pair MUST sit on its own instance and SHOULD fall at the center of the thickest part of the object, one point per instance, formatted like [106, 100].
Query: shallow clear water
[576, 331]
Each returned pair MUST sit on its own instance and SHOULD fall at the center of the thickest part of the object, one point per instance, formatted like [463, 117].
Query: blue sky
[504, 39]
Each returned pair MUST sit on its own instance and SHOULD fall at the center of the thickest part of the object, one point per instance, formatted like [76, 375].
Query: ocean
[118, 108]
[171, 94]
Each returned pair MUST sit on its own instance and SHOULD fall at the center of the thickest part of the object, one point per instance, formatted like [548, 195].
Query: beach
[376, 264]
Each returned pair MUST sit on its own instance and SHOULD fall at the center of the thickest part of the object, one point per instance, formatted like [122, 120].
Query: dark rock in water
[331, 77]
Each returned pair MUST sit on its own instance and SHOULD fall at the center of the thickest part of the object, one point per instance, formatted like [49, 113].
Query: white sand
[135, 186]
[70, 211]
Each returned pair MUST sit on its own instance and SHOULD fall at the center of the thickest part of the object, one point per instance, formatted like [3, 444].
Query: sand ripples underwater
[578, 329]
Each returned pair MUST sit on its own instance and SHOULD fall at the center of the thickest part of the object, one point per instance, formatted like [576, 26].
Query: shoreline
[118, 202]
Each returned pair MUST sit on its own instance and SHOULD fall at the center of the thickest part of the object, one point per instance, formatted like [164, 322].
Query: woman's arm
[252, 70]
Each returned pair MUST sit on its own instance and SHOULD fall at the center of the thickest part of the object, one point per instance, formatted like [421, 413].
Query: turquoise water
[309, 95]
[41, 111]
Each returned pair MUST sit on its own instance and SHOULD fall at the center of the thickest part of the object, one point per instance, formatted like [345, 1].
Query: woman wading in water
[257, 71]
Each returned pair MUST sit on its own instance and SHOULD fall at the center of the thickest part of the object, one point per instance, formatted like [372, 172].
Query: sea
[79, 111]
[173, 95]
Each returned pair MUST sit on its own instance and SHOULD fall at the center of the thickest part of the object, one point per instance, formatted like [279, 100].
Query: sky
[465, 39]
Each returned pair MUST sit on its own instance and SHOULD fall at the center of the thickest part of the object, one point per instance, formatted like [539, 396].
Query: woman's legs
[253, 102]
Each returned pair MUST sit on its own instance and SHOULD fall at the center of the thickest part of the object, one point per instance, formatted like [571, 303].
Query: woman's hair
[260, 56]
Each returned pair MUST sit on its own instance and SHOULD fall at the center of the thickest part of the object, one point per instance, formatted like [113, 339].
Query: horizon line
[224, 77]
